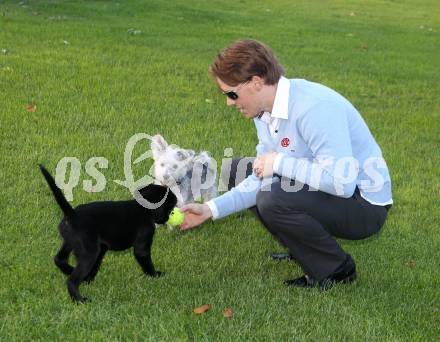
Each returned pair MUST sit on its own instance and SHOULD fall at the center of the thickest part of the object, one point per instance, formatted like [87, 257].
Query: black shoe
[305, 281]
[282, 256]
[346, 273]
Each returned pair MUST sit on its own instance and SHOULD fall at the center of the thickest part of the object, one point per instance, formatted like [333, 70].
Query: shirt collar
[265, 117]
[281, 102]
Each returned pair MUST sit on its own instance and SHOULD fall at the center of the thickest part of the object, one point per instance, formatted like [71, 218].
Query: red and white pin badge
[285, 142]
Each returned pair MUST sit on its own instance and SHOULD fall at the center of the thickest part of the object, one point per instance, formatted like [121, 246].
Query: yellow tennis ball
[176, 217]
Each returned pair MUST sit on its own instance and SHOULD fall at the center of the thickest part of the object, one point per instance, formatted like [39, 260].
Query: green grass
[95, 85]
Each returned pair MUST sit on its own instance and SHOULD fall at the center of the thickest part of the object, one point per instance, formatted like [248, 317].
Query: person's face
[247, 101]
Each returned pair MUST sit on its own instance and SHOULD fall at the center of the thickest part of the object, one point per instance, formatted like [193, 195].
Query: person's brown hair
[243, 59]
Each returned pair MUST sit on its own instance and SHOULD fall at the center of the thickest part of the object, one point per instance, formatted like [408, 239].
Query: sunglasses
[232, 94]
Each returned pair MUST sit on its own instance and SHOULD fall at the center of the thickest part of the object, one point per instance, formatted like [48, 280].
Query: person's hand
[263, 165]
[195, 214]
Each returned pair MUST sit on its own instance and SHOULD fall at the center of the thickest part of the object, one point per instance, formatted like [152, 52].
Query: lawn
[79, 78]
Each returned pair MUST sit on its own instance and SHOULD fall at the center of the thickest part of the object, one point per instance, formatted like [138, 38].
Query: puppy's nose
[166, 177]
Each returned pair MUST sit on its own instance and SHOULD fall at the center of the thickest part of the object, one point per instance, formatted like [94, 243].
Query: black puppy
[91, 229]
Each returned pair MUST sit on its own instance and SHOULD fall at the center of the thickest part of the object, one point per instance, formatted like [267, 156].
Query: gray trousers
[307, 222]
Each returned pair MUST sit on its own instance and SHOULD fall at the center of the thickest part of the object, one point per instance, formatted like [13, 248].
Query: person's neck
[268, 97]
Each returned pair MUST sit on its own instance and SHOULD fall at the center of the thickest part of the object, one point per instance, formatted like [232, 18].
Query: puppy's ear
[153, 193]
[158, 145]
[184, 154]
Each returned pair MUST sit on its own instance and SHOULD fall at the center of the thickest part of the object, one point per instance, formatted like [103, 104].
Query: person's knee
[265, 202]
[272, 201]
[278, 218]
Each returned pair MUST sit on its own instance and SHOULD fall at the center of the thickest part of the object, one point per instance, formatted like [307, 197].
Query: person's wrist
[212, 208]
[207, 210]
[277, 162]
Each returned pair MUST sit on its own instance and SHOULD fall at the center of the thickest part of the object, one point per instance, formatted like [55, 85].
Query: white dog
[192, 177]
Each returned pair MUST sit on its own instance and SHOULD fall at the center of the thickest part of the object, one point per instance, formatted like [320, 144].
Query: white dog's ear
[184, 154]
[158, 145]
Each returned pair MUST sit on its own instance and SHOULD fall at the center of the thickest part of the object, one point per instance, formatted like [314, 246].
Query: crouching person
[318, 175]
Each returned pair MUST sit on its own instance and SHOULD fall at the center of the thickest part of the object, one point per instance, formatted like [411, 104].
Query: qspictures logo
[322, 173]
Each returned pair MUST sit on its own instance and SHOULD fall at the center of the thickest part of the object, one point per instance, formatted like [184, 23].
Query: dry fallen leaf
[31, 108]
[228, 313]
[411, 264]
[202, 309]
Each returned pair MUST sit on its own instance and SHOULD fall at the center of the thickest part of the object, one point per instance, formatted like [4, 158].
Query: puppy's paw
[158, 274]
[82, 300]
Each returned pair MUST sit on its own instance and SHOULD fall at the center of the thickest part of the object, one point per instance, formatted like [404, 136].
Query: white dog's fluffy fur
[192, 177]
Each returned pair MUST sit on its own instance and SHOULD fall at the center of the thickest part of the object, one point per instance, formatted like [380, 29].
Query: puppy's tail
[59, 197]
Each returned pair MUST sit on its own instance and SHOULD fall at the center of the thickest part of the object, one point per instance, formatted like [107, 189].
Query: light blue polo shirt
[322, 141]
